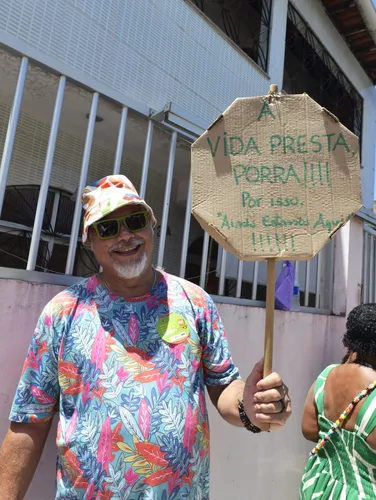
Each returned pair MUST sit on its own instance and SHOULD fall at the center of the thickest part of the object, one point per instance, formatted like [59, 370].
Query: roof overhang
[356, 21]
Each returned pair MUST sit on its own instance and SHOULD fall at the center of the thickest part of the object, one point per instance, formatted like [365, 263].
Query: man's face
[128, 254]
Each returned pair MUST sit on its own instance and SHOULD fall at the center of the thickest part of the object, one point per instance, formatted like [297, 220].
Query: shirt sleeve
[219, 368]
[37, 394]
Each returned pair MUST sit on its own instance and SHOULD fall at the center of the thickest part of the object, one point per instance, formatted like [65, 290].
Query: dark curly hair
[360, 336]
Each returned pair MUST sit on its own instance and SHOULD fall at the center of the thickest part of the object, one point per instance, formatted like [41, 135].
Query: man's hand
[266, 401]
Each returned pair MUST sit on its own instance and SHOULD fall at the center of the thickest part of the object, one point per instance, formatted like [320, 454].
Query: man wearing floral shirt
[124, 358]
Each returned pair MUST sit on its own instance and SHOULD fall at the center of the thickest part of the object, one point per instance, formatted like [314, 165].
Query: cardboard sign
[275, 177]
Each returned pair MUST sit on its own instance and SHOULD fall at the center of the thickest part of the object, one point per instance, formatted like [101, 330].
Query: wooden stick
[269, 318]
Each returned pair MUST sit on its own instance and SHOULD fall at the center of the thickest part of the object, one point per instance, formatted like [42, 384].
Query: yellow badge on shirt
[173, 328]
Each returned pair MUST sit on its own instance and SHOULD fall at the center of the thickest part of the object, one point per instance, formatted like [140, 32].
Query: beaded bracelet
[339, 423]
[245, 420]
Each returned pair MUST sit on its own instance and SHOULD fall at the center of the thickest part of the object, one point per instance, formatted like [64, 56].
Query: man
[124, 357]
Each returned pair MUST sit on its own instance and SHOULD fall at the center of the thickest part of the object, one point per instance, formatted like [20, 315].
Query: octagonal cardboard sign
[275, 177]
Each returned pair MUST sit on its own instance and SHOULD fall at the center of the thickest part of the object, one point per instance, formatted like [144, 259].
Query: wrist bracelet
[245, 420]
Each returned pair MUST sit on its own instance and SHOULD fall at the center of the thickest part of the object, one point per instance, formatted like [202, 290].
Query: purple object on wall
[284, 286]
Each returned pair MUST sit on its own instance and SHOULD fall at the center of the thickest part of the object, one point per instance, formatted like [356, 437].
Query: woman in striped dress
[340, 417]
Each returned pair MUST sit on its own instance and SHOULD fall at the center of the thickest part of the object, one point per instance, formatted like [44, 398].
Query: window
[246, 22]
[16, 225]
[310, 68]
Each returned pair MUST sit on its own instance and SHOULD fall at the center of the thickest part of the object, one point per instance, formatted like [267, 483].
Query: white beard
[132, 269]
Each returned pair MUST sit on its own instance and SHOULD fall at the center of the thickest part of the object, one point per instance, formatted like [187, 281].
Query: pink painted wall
[20, 306]
[269, 466]
[264, 466]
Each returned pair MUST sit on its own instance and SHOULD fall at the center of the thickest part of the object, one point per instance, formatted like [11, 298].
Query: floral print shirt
[128, 380]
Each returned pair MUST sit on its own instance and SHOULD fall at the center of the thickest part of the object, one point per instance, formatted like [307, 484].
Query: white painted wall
[254, 466]
[368, 146]
[132, 47]
[153, 51]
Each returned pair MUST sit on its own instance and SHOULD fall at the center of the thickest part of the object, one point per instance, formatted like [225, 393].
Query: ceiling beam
[339, 8]
[355, 31]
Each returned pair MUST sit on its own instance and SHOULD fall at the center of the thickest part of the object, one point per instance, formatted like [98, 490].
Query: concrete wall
[254, 466]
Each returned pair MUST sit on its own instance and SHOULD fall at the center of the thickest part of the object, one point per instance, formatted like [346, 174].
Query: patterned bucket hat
[107, 195]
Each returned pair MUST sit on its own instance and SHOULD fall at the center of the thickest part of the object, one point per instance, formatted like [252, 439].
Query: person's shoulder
[183, 283]
[64, 302]
[325, 372]
[194, 292]
[73, 291]
[321, 379]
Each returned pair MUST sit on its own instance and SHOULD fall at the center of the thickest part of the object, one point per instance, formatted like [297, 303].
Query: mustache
[126, 245]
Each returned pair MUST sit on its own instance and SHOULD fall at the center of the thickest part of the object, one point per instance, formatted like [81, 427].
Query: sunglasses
[110, 228]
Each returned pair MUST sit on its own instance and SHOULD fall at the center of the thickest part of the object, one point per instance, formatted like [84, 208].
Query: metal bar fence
[12, 127]
[84, 169]
[167, 200]
[313, 296]
[43, 191]
[120, 141]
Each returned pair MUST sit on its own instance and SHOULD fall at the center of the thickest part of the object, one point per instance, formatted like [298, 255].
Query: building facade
[90, 88]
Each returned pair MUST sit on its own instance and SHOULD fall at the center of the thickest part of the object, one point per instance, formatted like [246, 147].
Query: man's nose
[125, 233]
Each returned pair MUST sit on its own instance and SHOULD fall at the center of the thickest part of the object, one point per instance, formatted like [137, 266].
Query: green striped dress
[345, 469]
